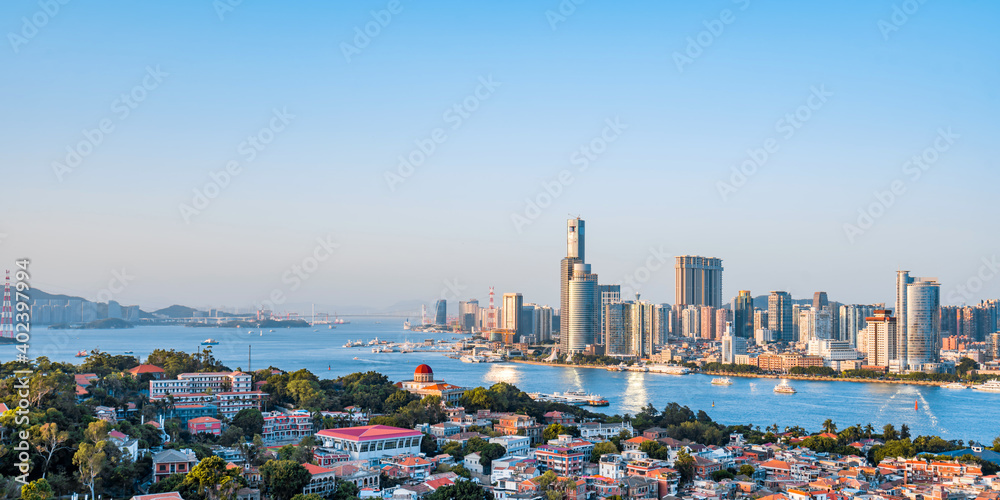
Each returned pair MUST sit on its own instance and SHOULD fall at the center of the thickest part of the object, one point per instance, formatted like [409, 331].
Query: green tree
[719, 475]
[250, 420]
[212, 479]
[38, 489]
[311, 496]
[283, 478]
[428, 445]
[964, 366]
[746, 470]
[48, 441]
[89, 460]
[889, 433]
[829, 426]
[904, 431]
[346, 490]
[996, 443]
[602, 448]
[685, 466]
[462, 490]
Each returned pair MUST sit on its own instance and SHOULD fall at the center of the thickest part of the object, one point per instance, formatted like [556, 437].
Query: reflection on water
[635, 397]
[503, 373]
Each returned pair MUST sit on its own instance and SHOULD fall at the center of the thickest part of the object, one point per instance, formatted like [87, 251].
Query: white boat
[955, 385]
[669, 369]
[991, 386]
[722, 381]
[784, 388]
[209, 342]
[472, 359]
[406, 325]
[616, 368]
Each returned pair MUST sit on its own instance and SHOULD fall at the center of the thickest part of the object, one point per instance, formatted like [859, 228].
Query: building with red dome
[423, 384]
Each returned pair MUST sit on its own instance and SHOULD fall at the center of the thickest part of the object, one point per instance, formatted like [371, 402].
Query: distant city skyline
[166, 154]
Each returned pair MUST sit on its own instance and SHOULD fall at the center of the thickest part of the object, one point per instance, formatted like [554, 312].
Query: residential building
[779, 315]
[581, 329]
[371, 442]
[205, 425]
[288, 427]
[323, 481]
[168, 462]
[698, 281]
[516, 446]
[511, 310]
[923, 322]
[877, 342]
[519, 425]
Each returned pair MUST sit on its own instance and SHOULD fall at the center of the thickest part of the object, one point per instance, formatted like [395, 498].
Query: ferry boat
[669, 369]
[341, 321]
[722, 381]
[784, 388]
[991, 386]
[575, 398]
[616, 368]
[209, 342]
[406, 324]
[472, 359]
[955, 385]
[82, 354]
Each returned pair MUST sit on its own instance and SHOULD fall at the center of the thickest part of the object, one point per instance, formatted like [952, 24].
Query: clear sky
[691, 86]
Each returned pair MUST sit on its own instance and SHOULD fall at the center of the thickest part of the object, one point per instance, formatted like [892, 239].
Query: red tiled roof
[437, 483]
[3, 408]
[368, 433]
[145, 369]
[204, 420]
[315, 469]
[776, 464]
[173, 495]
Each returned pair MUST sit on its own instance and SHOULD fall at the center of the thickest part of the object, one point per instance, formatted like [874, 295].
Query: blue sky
[450, 221]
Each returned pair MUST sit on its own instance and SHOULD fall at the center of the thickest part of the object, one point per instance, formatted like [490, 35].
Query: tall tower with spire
[575, 235]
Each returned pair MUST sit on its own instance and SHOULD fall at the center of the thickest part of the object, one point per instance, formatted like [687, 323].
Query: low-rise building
[286, 427]
[205, 425]
[371, 442]
[520, 425]
[516, 446]
[168, 462]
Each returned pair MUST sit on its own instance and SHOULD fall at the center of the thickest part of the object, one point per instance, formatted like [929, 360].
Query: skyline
[606, 77]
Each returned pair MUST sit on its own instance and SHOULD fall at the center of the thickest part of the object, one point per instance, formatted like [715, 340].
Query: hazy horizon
[829, 103]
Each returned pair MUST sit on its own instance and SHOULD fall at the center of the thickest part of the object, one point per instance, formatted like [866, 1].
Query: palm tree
[829, 426]
[869, 430]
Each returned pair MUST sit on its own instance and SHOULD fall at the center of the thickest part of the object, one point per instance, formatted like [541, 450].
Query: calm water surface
[952, 414]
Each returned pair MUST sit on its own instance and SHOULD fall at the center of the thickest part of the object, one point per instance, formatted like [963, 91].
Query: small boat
[209, 342]
[82, 354]
[270, 331]
[330, 327]
[129, 352]
[955, 385]
[991, 386]
[722, 381]
[784, 388]
[355, 357]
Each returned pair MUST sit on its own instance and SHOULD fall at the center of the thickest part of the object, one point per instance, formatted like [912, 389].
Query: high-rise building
[721, 323]
[806, 319]
[877, 341]
[707, 322]
[820, 301]
[642, 328]
[903, 280]
[731, 347]
[609, 294]
[526, 326]
[759, 320]
[543, 324]
[617, 324]
[661, 323]
[923, 317]
[853, 320]
[743, 315]
[468, 314]
[510, 312]
[698, 281]
[441, 312]
[574, 255]
[690, 321]
[580, 325]
[779, 315]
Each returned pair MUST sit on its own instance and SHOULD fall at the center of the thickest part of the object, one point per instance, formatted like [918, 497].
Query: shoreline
[758, 375]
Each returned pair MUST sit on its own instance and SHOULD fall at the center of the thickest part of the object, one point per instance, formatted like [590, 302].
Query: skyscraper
[820, 301]
[441, 312]
[609, 294]
[581, 329]
[698, 281]
[511, 312]
[923, 317]
[743, 315]
[617, 319]
[902, 280]
[853, 319]
[574, 255]
[779, 315]
[878, 339]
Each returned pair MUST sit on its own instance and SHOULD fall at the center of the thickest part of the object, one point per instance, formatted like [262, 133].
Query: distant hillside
[175, 311]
